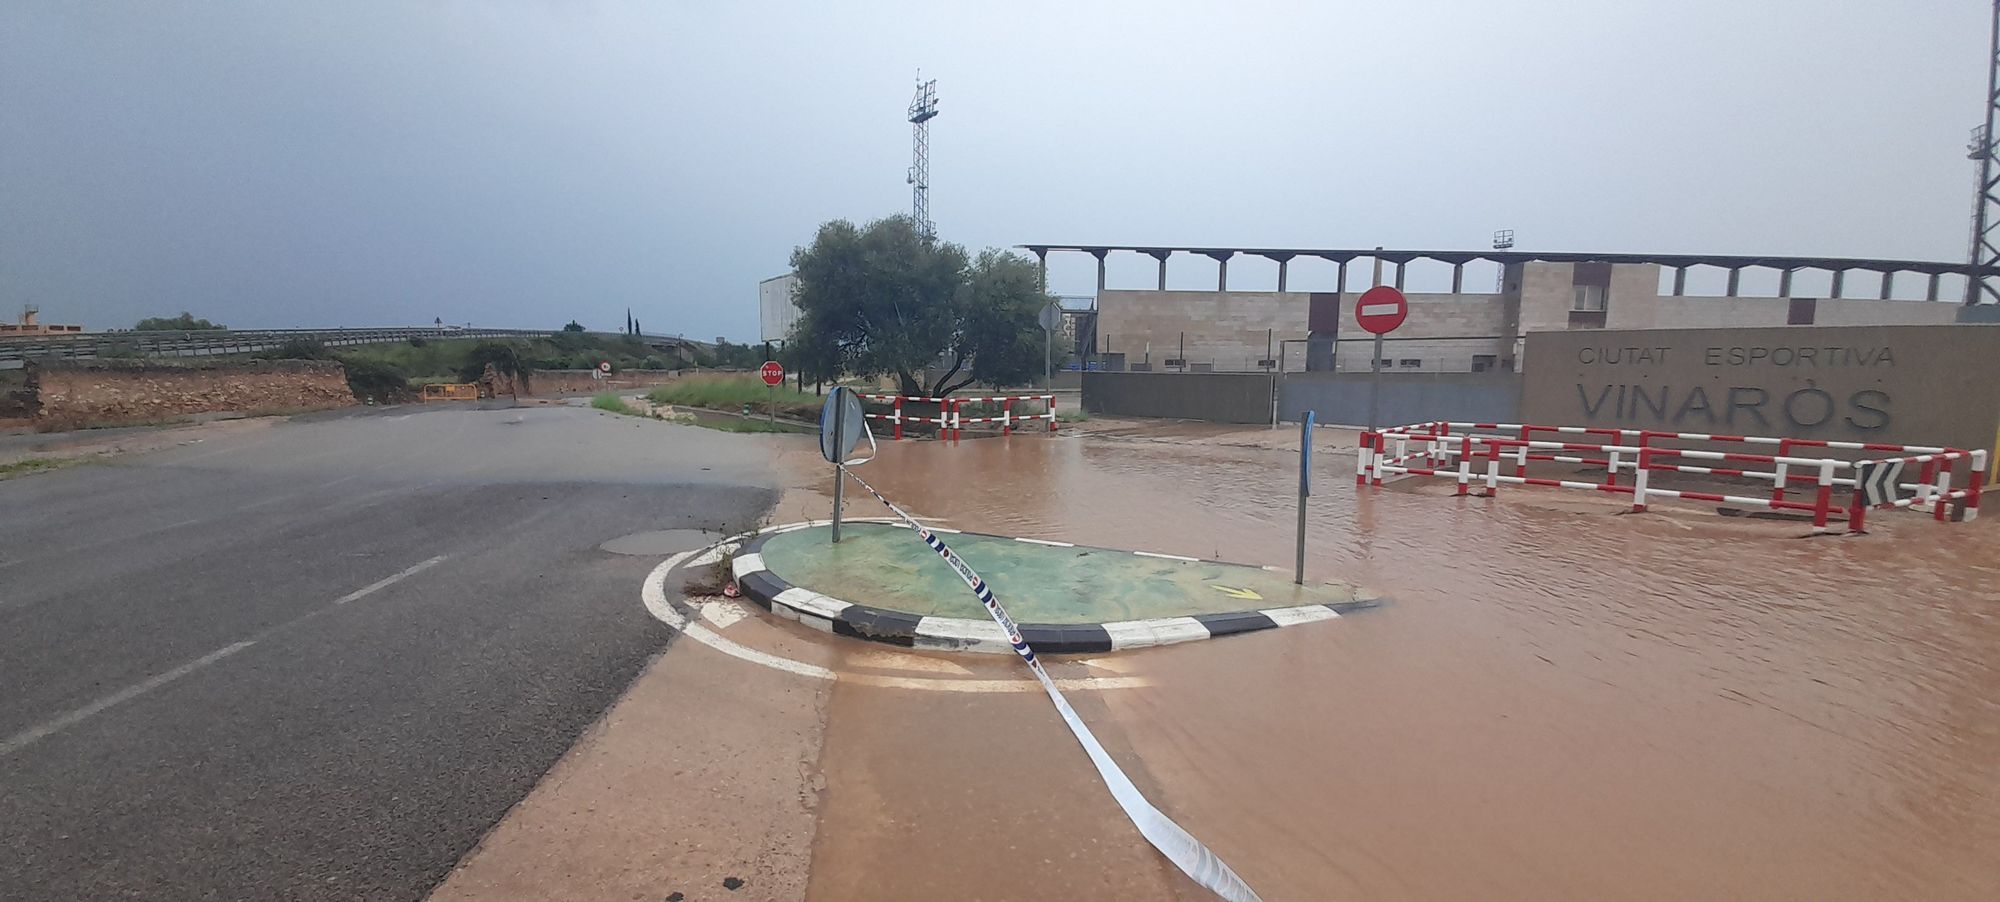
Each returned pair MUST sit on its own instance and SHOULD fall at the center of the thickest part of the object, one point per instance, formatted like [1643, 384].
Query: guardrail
[15, 351]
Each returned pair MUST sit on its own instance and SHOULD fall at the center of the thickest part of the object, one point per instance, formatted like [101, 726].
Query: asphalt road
[320, 659]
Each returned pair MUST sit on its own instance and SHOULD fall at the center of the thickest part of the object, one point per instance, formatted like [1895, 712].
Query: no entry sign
[604, 366]
[1381, 309]
[772, 371]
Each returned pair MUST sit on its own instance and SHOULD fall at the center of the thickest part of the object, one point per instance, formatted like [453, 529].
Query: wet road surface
[1560, 702]
[318, 659]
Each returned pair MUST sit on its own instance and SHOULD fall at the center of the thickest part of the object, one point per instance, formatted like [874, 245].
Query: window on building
[1484, 362]
[1410, 362]
[1386, 363]
[1589, 299]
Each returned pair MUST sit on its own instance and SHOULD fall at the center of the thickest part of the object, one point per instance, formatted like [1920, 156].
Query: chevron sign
[1877, 481]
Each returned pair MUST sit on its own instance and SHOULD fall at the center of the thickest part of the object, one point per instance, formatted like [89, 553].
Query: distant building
[28, 325]
[776, 312]
[1467, 329]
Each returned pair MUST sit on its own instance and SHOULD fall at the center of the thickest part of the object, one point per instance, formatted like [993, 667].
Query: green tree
[999, 333]
[186, 322]
[506, 360]
[730, 355]
[885, 299]
[573, 326]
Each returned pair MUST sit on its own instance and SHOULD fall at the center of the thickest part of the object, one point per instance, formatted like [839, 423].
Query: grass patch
[1071, 415]
[33, 465]
[734, 393]
[615, 404]
[732, 424]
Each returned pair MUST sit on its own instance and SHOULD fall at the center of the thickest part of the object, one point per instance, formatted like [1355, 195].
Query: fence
[451, 391]
[951, 419]
[1451, 450]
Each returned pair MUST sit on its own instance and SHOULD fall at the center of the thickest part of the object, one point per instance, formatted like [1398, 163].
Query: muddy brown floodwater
[1560, 702]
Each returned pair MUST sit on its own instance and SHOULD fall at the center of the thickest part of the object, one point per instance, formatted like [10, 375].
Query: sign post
[839, 484]
[1050, 318]
[773, 373]
[841, 426]
[1379, 310]
[1305, 488]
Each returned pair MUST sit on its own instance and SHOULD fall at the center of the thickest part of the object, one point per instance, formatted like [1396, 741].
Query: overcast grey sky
[519, 164]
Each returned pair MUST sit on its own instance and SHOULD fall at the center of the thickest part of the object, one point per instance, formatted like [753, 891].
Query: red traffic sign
[604, 366]
[1381, 309]
[772, 371]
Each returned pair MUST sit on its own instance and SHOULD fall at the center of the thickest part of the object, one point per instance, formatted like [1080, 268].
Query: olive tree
[886, 299]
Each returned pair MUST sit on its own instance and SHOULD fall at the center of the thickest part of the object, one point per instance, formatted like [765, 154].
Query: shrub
[614, 404]
[505, 358]
[733, 393]
[373, 380]
[299, 349]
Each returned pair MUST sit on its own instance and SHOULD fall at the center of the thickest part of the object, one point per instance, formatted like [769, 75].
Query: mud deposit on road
[1559, 702]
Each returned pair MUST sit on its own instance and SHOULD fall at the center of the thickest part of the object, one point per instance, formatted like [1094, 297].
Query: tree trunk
[938, 389]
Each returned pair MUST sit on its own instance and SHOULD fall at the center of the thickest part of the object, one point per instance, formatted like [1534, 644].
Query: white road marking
[723, 614]
[379, 585]
[1171, 557]
[654, 593]
[27, 737]
[711, 556]
[69, 719]
[274, 499]
[889, 660]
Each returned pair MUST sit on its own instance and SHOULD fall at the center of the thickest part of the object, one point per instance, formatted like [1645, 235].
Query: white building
[775, 311]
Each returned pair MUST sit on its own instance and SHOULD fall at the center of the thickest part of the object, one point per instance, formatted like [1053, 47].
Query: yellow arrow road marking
[1246, 594]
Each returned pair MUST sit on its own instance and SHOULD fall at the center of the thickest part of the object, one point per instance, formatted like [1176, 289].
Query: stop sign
[772, 371]
[1381, 309]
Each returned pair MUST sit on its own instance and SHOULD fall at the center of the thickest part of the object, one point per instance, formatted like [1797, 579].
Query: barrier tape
[1179, 846]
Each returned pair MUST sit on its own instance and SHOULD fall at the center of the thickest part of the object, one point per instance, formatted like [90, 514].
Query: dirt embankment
[72, 394]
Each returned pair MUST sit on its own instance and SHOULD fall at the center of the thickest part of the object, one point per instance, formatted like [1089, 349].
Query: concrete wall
[1926, 385]
[1215, 397]
[1342, 398]
[1863, 312]
[1669, 312]
[1432, 316]
[72, 394]
[1228, 329]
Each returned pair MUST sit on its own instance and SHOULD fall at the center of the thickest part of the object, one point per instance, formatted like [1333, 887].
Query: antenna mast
[1980, 289]
[924, 108]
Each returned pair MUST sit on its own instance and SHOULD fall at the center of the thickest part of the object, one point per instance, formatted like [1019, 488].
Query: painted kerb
[1215, 397]
[1341, 398]
[1926, 385]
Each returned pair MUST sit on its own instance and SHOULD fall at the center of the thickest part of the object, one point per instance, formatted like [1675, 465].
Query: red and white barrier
[950, 419]
[1479, 452]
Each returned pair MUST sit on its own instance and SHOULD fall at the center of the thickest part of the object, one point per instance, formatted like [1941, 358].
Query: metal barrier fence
[951, 419]
[451, 391]
[1452, 450]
